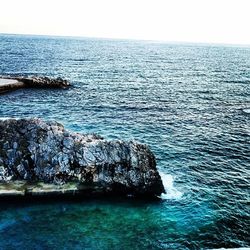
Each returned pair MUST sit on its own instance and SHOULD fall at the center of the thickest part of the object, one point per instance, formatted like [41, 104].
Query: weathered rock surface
[33, 150]
[8, 83]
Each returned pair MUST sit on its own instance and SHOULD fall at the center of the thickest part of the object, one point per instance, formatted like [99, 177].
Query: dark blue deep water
[190, 103]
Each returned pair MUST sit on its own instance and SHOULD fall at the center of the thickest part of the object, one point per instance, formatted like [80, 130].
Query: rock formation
[9, 83]
[33, 150]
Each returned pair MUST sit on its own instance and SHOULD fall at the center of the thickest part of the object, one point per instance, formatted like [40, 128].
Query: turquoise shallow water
[188, 102]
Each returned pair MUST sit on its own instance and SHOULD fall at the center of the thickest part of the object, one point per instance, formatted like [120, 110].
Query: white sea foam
[5, 118]
[171, 191]
[247, 111]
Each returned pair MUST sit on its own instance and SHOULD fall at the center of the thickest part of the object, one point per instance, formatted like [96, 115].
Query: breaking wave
[171, 191]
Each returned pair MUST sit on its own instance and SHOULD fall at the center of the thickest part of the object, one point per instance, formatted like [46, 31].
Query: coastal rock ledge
[9, 83]
[42, 158]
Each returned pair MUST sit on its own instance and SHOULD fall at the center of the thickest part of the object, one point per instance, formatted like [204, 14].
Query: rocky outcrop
[43, 82]
[33, 150]
[9, 83]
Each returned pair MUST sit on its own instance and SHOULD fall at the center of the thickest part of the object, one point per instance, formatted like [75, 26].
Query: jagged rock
[43, 82]
[8, 83]
[34, 150]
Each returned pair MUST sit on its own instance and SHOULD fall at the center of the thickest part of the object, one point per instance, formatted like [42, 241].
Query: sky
[207, 21]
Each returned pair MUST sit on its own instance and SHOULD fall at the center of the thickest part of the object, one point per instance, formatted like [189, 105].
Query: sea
[189, 102]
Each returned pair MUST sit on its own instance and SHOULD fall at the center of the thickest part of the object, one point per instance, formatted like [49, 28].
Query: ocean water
[190, 103]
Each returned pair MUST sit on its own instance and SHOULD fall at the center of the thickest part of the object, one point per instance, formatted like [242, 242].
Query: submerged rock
[37, 151]
[11, 83]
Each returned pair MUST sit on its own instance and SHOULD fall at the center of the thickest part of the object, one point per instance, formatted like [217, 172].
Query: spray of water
[171, 191]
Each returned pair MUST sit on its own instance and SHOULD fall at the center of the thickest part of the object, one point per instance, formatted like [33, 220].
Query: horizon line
[130, 39]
